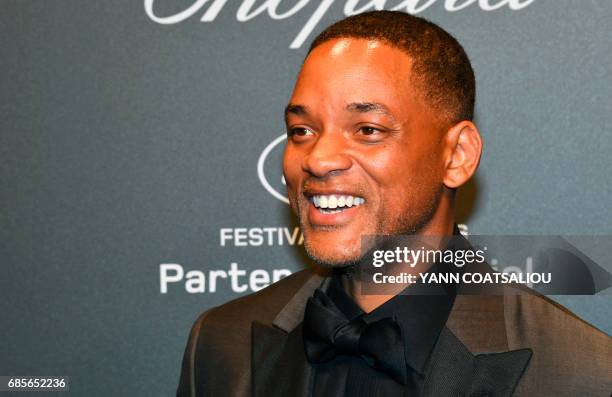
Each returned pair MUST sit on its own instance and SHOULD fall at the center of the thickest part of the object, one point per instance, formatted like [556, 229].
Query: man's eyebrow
[365, 107]
[356, 107]
[298, 110]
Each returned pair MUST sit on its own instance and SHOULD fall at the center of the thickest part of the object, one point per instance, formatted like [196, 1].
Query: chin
[335, 255]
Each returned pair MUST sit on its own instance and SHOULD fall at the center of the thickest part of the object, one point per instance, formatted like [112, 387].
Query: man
[380, 136]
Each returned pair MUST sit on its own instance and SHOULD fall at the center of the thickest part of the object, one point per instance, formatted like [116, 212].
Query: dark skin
[358, 126]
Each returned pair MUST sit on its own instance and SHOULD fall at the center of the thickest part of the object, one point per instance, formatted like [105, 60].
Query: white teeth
[332, 201]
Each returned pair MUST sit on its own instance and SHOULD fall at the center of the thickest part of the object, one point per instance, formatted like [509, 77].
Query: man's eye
[299, 132]
[369, 130]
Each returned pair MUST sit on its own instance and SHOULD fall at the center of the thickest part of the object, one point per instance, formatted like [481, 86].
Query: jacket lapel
[279, 366]
[454, 371]
[278, 363]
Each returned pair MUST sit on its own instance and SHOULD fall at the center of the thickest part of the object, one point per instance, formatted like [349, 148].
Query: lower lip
[318, 218]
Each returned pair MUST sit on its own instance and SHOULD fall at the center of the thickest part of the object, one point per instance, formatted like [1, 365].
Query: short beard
[406, 224]
[410, 222]
[327, 265]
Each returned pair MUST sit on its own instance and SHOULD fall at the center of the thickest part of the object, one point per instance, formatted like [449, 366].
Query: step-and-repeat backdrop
[140, 162]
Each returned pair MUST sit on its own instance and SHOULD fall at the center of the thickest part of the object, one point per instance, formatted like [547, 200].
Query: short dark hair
[441, 68]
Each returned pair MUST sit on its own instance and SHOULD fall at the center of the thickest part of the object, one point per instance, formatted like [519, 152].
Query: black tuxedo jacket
[513, 344]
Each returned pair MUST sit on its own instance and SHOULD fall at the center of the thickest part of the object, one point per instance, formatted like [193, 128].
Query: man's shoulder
[528, 313]
[261, 306]
[537, 319]
[518, 317]
[219, 344]
[570, 356]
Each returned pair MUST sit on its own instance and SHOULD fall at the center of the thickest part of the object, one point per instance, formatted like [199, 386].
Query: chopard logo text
[248, 10]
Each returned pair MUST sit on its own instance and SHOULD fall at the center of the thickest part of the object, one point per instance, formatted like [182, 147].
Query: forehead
[352, 70]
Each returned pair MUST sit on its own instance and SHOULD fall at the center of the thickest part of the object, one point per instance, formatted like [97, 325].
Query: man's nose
[327, 155]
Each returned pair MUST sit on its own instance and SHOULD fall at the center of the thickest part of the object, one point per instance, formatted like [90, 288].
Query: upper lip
[309, 192]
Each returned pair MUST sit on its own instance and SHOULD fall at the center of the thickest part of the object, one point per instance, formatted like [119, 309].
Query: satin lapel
[278, 363]
[454, 371]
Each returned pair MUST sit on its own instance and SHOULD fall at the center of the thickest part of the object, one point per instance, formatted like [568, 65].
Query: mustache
[332, 185]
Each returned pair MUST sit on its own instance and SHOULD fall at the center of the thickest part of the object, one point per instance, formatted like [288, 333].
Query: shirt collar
[421, 310]
[420, 316]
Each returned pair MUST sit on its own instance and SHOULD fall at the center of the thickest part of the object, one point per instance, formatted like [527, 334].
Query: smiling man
[371, 150]
[380, 136]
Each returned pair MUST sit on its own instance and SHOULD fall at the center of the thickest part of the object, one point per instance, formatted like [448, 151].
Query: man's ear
[463, 147]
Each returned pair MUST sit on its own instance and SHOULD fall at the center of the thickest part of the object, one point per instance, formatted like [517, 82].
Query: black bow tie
[328, 333]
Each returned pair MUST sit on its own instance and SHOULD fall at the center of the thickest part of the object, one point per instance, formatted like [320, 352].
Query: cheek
[291, 167]
[292, 173]
[407, 180]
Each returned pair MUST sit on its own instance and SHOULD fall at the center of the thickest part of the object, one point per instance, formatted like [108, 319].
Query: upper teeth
[336, 201]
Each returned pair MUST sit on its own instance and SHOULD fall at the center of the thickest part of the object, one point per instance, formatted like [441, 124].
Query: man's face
[363, 155]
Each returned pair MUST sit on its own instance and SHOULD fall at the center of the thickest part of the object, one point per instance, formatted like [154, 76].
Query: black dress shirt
[421, 316]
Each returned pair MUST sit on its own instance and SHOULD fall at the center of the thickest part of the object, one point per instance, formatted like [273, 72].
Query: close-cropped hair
[441, 70]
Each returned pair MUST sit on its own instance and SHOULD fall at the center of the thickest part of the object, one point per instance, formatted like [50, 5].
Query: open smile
[331, 203]
[333, 209]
